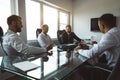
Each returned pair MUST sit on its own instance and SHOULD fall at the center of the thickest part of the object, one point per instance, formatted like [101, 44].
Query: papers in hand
[25, 66]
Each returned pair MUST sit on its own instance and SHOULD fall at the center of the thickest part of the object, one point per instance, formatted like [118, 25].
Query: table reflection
[56, 64]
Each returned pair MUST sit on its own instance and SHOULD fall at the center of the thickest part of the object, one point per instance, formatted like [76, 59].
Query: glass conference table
[58, 67]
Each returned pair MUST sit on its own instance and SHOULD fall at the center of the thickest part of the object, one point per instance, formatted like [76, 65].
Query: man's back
[114, 51]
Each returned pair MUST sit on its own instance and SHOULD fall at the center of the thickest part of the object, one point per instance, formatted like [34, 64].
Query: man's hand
[49, 47]
[93, 42]
[45, 58]
[77, 48]
[50, 53]
[83, 45]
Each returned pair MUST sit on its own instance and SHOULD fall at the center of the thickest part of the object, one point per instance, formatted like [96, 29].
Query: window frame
[58, 11]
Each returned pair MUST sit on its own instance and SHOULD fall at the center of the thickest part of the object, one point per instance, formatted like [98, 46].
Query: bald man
[43, 38]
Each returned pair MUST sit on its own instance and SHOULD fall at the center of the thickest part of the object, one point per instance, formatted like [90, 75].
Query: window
[5, 8]
[64, 17]
[38, 13]
[50, 17]
[32, 18]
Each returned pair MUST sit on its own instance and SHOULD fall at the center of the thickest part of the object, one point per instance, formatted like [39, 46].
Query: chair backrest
[38, 31]
[115, 74]
[1, 40]
[1, 34]
[59, 35]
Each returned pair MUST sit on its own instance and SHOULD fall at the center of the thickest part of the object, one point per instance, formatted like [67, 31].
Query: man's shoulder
[72, 33]
[40, 35]
[11, 36]
[64, 33]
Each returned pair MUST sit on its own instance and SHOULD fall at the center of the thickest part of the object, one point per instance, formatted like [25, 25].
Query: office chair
[1, 40]
[59, 36]
[61, 44]
[115, 74]
[38, 31]
[66, 47]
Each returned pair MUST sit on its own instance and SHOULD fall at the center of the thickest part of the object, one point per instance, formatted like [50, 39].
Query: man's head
[68, 28]
[45, 28]
[106, 22]
[15, 23]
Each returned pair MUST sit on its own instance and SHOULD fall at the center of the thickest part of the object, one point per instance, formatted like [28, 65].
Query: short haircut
[68, 26]
[12, 18]
[44, 26]
[108, 19]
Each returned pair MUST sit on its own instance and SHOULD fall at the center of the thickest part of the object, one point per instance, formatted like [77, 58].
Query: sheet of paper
[69, 44]
[26, 66]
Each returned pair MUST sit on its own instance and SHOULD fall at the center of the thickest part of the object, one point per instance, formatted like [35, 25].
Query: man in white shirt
[14, 46]
[108, 45]
[43, 38]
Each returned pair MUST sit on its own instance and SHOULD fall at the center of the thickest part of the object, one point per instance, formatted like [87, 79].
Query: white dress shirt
[12, 44]
[44, 40]
[17, 50]
[109, 44]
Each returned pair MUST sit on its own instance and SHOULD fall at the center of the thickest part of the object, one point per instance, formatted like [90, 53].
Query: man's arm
[105, 44]
[21, 47]
[76, 37]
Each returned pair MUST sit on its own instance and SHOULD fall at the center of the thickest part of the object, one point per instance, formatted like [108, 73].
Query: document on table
[25, 66]
[70, 44]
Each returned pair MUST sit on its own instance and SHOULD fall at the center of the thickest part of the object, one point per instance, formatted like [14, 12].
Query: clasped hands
[49, 47]
[81, 45]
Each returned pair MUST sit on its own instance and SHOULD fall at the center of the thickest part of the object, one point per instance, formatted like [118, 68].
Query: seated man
[68, 36]
[15, 47]
[43, 38]
[109, 45]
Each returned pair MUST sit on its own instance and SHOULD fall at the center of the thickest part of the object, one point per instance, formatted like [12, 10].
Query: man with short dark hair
[68, 36]
[108, 45]
[14, 45]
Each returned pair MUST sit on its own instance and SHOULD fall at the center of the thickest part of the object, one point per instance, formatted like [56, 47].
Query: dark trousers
[87, 71]
[90, 72]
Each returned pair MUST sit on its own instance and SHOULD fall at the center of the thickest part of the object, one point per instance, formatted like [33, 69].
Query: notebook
[25, 66]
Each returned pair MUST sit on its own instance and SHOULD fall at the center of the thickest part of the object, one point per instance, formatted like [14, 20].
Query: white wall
[83, 10]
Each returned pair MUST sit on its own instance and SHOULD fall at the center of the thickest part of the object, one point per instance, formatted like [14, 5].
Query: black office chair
[66, 47]
[115, 74]
[1, 33]
[38, 31]
[59, 36]
[1, 40]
